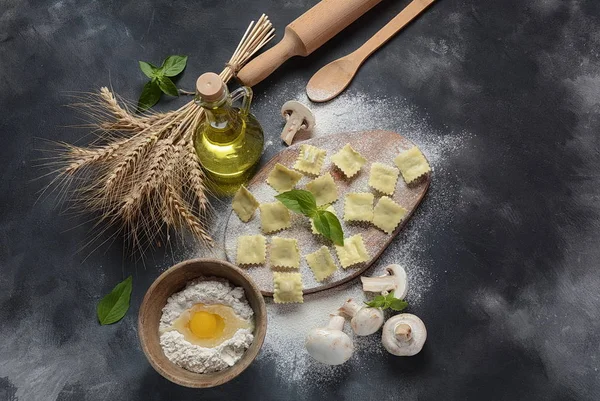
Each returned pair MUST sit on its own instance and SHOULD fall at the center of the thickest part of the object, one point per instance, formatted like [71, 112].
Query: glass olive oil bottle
[230, 140]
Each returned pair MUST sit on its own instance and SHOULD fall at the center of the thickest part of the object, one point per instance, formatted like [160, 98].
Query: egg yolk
[209, 325]
[206, 325]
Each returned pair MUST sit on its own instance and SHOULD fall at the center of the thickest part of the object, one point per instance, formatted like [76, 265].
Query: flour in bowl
[207, 326]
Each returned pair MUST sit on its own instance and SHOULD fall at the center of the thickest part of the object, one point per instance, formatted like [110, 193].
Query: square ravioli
[274, 217]
[412, 164]
[388, 214]
[284, 252]
[312, 223]
[282, 178]
[251, 250]
[321, 263]
[383, 178]
[353, 252]
[348, 160]
[359, 207]
[244, 204]
[310, 160]
[324, 189]
[288, 288]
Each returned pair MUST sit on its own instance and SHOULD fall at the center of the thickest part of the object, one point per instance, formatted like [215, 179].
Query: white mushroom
[404, 335]
[395, 280]
[365, 320]
[299, 118]
[330, 345]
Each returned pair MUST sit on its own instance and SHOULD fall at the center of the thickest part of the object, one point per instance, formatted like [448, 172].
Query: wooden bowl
[174, 280]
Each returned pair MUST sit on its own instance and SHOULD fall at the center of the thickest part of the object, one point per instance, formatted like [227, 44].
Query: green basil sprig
[160, 80]
[388, 301]
[304, 202]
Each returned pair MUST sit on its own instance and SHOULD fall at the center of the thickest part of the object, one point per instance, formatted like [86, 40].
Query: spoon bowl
[332, 79]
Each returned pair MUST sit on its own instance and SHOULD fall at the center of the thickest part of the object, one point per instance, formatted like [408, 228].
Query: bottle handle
[246, 93]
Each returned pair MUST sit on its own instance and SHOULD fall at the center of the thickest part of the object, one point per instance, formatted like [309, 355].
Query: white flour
[414, 247]
[194, 357]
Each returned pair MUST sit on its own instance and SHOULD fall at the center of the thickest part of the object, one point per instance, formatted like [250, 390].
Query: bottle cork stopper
[210, 87]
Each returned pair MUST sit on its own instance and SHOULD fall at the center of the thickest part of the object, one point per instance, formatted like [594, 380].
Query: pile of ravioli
[284, 253]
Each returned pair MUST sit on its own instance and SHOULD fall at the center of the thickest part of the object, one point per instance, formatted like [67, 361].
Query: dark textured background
[516, 317]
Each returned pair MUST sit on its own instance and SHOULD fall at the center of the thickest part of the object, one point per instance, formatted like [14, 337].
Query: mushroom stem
[403, 332]
[395, 280]
[350, 308]
[298, 118]
[291, 127]
[378, 284]
[336, 322]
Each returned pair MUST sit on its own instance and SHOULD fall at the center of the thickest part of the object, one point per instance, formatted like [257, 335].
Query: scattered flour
[194, 357]
[351, 111]
[289, 324]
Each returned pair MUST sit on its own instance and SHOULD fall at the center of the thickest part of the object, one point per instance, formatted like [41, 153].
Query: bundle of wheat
[142, 173]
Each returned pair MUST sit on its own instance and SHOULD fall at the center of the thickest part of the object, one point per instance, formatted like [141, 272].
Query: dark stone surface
[515, 317]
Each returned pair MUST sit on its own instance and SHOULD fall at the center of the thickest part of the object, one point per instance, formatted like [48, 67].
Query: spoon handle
[411, 11]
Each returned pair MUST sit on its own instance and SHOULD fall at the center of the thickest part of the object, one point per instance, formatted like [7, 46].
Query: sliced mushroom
[330, 345]
[365, 320]
[404, 335]
[395, 280]
[299, 118]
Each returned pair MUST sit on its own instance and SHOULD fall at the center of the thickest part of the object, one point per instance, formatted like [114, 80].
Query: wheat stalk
[123, 120]
[143, 172]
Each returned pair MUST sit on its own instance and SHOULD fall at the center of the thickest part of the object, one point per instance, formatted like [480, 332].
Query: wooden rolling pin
[306, 34]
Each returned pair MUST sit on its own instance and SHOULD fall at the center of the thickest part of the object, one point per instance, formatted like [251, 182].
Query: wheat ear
[143, 171]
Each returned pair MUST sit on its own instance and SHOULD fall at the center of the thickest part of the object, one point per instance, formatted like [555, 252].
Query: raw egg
[209, 325]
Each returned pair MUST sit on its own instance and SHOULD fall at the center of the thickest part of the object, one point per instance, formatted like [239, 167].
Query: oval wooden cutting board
[375, 146]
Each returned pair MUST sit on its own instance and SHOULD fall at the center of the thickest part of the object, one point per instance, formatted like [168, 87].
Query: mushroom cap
[367, 321]
[404, 348]
[401, 280]
[304, 112]
[329, 346]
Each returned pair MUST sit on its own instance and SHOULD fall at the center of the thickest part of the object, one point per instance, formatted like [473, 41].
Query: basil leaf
[322, 225]
[398, 305]
[113, 306]
[377, 302]
[148, 69]
[387, 301]
[335, 228]
[372, 304]
[167, 86]
[150, 95]
[299, 201]
[173, 65]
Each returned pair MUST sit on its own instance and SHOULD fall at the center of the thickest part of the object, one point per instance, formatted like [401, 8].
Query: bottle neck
[221, 125]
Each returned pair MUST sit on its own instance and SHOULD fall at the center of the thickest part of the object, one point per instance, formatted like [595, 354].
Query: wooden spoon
[333, 78]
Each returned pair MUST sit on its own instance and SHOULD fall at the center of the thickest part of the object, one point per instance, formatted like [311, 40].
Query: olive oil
[230, 140]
